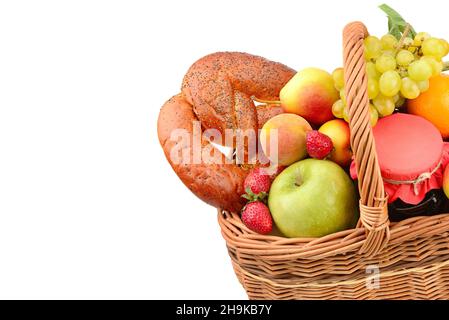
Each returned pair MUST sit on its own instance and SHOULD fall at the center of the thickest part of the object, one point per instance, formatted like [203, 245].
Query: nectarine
[338, 131]
[283, 138]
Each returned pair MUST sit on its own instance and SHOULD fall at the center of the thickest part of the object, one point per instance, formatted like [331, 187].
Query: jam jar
[412, 156]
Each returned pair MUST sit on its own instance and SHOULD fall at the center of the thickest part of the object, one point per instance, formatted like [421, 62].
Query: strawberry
[257, 184]
[319, 145]
[256, 216]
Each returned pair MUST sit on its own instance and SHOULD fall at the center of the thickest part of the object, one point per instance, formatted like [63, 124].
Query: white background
[89, 207]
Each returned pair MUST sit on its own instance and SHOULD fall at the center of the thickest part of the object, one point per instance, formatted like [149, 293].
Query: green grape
[404, 58]
[423, 85]
[407, 42]
[373, 47]
[373, 88]
[419, 38]
[384, 105]
[371, 70]
[437, 66]
[390, 83]
[373, 115]
[409, 89]
[388, 42]
[402, 72]
[434, 47]
[389, 53]
[343, 95]
[339, 80]
[396, 98]
[446, 46]
[412, 49]
[346, 114]
[337, 109]
[420, 70]
[400, 102]
[385, 63]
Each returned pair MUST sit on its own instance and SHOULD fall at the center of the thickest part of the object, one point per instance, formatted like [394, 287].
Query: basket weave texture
[377, 259]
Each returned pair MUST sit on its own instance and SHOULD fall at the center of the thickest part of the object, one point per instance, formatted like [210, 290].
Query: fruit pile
[307, 191]
[290, 192]
[399, 67]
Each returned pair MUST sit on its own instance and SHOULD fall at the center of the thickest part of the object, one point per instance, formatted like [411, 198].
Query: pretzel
[217, 91]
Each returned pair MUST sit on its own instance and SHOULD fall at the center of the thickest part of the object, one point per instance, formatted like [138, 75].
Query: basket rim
[273, 247]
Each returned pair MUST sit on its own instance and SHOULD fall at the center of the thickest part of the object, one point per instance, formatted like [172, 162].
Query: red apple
[310, 94]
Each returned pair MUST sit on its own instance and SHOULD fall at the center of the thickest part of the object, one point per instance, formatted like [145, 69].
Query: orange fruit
[433, 104]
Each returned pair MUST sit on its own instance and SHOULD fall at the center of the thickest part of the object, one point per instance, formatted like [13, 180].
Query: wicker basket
[376, 260]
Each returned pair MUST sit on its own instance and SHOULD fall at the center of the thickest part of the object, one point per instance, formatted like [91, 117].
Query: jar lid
[407, 146]
[412, 157]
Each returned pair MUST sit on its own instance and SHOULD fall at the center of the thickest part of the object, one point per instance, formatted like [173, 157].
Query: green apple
[313, 198]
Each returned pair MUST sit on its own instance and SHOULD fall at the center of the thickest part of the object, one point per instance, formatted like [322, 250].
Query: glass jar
[412, 157]
[434, 203]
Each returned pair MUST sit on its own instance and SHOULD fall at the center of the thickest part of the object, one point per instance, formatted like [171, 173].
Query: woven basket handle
[373, 202]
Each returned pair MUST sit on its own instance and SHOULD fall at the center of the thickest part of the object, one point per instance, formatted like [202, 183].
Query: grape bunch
[397, 70]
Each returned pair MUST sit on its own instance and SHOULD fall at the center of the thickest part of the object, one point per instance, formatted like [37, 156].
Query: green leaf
[393, 29]
[396, 24]
[262, 196]
[251, 196]
[247, 197]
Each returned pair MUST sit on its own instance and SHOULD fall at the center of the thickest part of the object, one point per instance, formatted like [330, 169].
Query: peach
[338, 131]
[310, 94]
[283, 138]
[446, 181]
